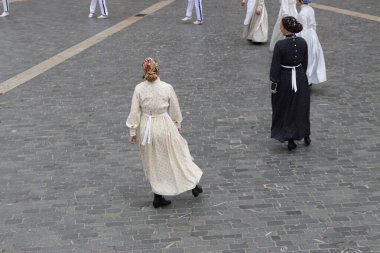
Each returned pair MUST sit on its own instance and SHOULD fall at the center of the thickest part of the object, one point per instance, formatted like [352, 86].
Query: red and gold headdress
[151, 69]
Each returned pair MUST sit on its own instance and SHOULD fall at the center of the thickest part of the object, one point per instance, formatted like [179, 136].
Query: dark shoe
[197, 190]
[307, 141]
[291, 145]
[160, 201]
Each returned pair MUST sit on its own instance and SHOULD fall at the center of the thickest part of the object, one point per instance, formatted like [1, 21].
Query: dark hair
[291, 24]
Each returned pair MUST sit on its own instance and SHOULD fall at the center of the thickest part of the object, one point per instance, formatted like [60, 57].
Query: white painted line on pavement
[50, 63]
[346, 12]
[12, 1]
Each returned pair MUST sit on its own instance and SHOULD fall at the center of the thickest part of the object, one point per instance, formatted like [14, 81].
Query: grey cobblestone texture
[70, 182]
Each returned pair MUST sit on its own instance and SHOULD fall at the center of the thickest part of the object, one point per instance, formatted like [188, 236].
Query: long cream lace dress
[156, 115]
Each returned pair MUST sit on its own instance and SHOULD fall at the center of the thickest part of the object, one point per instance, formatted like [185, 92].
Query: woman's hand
[274, 88]
[132, 139]
[243, 2]
[258, 13]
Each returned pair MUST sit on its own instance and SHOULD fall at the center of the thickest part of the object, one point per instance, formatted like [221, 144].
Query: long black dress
[290, 109]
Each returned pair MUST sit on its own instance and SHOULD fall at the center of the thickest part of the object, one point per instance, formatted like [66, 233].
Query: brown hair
[291, 24]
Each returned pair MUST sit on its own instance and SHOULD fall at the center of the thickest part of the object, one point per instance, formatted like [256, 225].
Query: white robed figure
[287, 8]
[256, 21]
[155, 118]
[316, 69]
[5, 8]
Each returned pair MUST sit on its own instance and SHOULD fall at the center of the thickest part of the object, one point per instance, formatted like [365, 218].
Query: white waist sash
[148, 128]
[294, 78]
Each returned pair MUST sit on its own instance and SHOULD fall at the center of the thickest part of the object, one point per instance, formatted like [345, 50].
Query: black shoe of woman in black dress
[291, 145]
[307, 141]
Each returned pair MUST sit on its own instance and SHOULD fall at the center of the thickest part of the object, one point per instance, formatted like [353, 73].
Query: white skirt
[316, 69]
[167, 162]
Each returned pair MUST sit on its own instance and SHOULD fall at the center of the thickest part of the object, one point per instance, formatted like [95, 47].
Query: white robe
[316, 69]
[287, 8]
[165, 156]
[256, 26]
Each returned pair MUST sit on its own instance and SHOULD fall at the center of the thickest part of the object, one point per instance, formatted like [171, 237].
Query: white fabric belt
[148, 128]
[294, 78]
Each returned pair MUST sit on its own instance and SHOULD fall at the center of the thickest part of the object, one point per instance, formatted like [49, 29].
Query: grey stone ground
[70, 182]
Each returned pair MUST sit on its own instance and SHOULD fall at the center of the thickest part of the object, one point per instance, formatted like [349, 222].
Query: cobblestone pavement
[70, 182]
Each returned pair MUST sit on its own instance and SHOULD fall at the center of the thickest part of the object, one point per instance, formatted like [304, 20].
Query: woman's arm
[275, 67]
[174, 109]
[260, 6]
[133, 120]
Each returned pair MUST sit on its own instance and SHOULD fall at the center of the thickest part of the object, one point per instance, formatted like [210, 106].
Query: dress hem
[180, 192]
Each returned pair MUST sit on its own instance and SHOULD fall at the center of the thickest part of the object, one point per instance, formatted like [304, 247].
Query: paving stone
[70, 182]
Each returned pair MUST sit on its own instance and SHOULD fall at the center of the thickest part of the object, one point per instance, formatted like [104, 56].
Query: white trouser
[198, 8]
[5, 5]
[103, 7]
[294, 77]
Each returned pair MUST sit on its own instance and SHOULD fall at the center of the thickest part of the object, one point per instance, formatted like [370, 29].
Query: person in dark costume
[290, 87]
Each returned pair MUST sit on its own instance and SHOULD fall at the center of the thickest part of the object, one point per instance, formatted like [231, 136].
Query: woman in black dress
[290, 89]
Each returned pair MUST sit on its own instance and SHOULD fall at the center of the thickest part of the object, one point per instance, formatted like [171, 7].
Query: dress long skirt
[167, 162]
[276, 35]
[291, 110]
[316, 69]
[255, 26]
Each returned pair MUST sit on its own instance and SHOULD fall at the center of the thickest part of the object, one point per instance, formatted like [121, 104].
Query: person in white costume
[155, 121]
[316, 68]
[103, 9]
[5, 8]
[189, 12]
[256, 21]
[287, 8]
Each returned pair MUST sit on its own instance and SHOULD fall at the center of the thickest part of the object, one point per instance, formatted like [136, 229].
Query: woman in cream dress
[155, 120]
[316, 69]
[256, 21]
[287, 8]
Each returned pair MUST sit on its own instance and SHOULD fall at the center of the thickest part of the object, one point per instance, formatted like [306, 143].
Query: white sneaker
[198, 22]
[186, 20]
[5, 14]
[91, 15]
[102, 16]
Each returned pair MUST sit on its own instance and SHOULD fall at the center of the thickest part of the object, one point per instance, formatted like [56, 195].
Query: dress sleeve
[133, 120]
[174, 110]
[284, 9]
[260, 5]
[303, 20]
[305, 57]
[275, 67]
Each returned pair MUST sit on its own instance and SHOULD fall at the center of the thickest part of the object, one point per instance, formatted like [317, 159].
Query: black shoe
[197, 190]
[291, 145]
[160, 201]
[307, 140]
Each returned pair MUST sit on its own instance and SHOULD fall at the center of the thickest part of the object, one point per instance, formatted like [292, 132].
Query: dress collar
[157, 80]
[292, 35]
